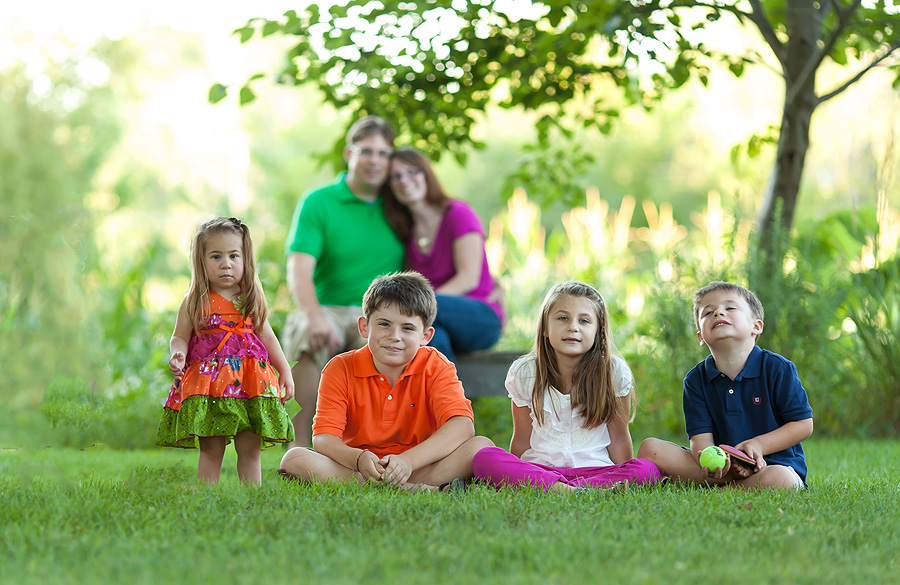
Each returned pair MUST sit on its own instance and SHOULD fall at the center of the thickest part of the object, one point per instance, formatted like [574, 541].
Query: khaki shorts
[295, 335]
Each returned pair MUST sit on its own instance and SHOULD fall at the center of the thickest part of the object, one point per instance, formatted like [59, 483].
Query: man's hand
[322, 334]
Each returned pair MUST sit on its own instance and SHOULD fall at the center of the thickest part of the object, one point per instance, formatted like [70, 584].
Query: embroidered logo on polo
[757, 400]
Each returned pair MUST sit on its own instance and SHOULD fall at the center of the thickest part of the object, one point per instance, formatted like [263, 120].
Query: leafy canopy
[434, 66]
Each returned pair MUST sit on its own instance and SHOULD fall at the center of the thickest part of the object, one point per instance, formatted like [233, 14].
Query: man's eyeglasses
[369, 153]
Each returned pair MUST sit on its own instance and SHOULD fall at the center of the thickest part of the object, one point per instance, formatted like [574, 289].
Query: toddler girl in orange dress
[222, 355]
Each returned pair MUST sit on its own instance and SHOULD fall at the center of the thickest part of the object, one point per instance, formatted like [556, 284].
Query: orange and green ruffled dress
[228, 385]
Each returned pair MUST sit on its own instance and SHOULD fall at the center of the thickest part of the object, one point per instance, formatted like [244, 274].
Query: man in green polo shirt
[338, 244]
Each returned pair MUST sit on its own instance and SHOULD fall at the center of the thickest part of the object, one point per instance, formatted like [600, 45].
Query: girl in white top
[572, 401]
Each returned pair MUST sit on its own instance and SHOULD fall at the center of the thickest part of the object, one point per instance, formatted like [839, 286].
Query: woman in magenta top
[444, 241]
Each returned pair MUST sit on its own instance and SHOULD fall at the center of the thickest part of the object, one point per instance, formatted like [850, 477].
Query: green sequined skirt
[205, 416]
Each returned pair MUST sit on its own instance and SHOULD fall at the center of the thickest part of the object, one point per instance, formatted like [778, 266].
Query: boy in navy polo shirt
[740, 395]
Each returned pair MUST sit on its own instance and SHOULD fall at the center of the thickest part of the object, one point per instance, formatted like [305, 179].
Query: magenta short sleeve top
[459, 219]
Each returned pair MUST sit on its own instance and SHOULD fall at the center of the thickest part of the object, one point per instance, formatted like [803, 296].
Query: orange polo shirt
[357, 404]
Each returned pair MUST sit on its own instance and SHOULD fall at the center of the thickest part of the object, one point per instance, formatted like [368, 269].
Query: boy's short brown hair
[370, 126]
[409, 291]
[753, 302]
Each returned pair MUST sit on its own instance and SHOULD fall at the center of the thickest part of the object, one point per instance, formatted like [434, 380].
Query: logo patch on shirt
[757, 400]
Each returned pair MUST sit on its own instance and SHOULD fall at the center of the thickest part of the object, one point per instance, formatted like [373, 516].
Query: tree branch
[843, 19]
[859, 75]
[733, 9]
[758, 16]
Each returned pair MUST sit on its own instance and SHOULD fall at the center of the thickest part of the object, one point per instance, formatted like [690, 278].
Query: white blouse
[562, 441]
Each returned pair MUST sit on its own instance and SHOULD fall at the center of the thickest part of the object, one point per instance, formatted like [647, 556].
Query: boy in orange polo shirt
[393, 411]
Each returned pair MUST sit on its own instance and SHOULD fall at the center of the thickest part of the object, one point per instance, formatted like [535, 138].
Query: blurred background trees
[58, 126]
[110, 154]
[435, 67]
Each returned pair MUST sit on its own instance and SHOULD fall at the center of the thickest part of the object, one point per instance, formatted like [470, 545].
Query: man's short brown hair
[368, 126]
[409, 291]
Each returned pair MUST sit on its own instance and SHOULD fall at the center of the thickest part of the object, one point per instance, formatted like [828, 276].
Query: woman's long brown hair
[397, 214]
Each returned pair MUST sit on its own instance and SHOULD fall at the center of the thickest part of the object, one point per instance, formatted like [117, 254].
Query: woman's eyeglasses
[405, 175]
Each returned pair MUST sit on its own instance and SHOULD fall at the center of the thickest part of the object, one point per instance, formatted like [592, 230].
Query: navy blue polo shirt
[766, 395]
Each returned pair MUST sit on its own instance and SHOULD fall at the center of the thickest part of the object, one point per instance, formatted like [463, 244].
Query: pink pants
[498, 467]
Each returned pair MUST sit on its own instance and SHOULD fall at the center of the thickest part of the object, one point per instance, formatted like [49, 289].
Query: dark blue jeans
[464, 325]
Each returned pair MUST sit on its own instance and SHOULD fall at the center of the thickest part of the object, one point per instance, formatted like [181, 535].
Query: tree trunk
[777, 214]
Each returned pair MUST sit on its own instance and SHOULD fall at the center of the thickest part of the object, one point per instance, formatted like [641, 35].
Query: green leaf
[839, 56]
[753, 146]
[271, 27]
[245, 32]
[736, 68]
[247, 95]
[217, 93]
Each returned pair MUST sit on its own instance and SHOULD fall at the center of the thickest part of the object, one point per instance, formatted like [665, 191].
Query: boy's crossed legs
[308, 465]
[678, 463]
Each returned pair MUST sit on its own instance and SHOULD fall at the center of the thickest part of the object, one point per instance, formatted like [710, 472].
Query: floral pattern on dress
[225, 358]
[228, 385]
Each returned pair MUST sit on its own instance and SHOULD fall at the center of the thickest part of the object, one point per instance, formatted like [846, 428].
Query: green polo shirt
[349, 238]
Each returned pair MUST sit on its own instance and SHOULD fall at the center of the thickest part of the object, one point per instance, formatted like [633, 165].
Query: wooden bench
[484, 373]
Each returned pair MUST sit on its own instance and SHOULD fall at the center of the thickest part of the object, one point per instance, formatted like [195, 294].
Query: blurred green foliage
[53, 138]
[89, 344]
[829, 312]
[874, 307]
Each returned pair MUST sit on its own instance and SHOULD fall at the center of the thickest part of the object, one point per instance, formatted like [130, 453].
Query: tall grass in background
[833, 311]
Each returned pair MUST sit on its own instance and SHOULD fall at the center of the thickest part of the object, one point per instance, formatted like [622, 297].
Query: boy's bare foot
[418, 487]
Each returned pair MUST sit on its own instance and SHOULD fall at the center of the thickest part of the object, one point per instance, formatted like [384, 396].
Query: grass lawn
[107, 516]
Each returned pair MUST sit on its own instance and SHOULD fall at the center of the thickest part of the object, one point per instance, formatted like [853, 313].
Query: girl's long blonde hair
[593, 393]
[252, 300]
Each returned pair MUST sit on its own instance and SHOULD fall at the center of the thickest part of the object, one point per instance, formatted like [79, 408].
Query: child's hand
[720, 472]
[369, 466]
[752, 448]
[397, 470]
[739, 469]
[176, 364]
[286, 383]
